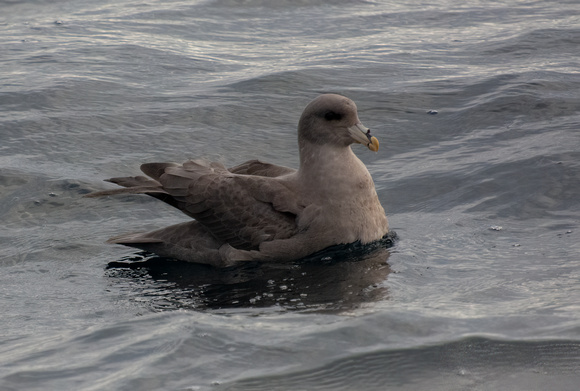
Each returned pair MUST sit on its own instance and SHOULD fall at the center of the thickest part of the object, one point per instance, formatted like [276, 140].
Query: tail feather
[134, 181]
[155, 170]
[152, 191]
[187, 241]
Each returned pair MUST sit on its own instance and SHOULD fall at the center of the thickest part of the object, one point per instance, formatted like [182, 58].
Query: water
[481, 292]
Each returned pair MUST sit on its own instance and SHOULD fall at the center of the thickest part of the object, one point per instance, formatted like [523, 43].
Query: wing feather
[243, 206]
[155, 170]
[235, 208]
[259, 168]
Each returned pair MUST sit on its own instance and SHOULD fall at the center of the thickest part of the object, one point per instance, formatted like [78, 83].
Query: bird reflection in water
[338, 279]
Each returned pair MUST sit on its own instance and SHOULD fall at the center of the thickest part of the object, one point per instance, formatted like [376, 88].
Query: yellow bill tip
[374, 144]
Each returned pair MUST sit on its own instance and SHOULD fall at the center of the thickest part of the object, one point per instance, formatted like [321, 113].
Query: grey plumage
[261, 211]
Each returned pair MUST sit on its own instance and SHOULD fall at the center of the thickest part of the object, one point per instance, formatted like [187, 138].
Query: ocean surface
[477, 108]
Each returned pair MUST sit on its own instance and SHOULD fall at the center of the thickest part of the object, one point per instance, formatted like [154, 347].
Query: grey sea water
[482, 290]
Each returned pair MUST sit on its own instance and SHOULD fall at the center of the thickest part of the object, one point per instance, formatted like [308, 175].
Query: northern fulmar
[264, 212]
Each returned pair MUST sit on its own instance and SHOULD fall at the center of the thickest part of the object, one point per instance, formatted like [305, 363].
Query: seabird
[259, 211]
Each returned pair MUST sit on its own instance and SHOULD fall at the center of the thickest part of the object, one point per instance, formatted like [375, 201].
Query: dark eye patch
[331, 116]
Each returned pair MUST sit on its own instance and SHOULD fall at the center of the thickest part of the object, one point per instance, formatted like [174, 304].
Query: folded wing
[243, 207]
[257, 167]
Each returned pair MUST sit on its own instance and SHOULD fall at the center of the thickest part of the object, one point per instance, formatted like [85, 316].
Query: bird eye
[331, 115]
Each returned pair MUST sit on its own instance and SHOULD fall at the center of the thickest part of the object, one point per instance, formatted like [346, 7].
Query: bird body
[264, 212]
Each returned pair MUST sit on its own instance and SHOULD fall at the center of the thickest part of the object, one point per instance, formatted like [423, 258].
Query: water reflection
[339, 279]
